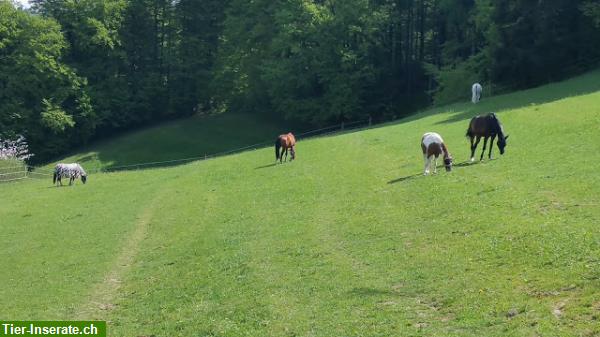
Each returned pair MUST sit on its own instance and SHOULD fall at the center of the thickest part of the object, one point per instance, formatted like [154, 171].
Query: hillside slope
[184, 138]
[349, 240]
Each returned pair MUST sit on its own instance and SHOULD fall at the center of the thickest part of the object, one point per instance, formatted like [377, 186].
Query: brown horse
[285, 142]
[486, 126]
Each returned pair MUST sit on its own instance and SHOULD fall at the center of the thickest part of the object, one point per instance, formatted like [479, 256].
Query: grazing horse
[285, 142]
[486, 126]
[476, 89]
[433, 145]
[71, 171]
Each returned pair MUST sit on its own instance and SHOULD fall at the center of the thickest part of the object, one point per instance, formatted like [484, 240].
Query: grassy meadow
[348, 240]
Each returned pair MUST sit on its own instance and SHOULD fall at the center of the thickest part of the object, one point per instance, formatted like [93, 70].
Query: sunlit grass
[348, 240]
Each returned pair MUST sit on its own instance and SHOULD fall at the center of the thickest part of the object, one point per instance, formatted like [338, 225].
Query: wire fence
[12, 170]
[20, 172]
[304, 135]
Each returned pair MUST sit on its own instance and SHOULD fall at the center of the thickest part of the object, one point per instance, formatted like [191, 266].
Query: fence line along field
[350, 239]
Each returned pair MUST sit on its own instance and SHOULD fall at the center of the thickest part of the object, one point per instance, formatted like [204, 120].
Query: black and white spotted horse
[71, 171]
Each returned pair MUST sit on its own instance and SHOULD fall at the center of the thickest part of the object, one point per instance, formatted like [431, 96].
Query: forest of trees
[75, 70]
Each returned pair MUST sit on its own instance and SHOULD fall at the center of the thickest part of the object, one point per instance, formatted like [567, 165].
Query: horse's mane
[445, 150]
[497, 125]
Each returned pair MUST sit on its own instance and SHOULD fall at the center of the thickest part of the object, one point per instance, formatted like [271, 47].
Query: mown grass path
[103, 295]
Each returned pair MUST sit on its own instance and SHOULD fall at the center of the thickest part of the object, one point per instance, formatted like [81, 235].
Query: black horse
[486, 126]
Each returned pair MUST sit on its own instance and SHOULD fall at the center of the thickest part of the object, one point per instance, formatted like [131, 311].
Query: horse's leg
[473, 147]
[70, 181]
[491, 146]
[286, 152]
[485, 139]
[435, 164]
[427, 165]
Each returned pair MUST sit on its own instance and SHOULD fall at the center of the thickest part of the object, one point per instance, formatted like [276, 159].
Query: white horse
[476, 89]
[433, 145]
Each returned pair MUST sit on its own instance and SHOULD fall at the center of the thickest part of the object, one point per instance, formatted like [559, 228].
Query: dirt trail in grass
[103, 295]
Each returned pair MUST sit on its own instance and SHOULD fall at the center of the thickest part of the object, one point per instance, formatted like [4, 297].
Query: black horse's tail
[469, 130]
[54, 178]
[277, 147]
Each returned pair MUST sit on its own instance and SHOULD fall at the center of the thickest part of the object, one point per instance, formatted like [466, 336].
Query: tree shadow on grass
[179, 142]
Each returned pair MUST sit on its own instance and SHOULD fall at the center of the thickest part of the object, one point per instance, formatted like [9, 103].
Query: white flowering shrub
[14, 149]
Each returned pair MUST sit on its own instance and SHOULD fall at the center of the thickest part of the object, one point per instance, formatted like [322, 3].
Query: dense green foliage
[40, 96]
[348, 240]
[114, 64]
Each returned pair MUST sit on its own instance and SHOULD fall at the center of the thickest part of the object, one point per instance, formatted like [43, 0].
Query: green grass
[186, 138]
[349, 240]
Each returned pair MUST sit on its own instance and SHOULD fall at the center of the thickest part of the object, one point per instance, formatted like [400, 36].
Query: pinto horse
[433, 145]
[486, 126]
[285, 142]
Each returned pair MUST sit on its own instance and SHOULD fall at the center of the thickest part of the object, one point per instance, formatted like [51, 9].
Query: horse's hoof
[472, 159]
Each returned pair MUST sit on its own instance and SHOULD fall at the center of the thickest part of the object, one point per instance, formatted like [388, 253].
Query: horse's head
[293, 152]
[502, 143]
[448, 163]
[83, 178]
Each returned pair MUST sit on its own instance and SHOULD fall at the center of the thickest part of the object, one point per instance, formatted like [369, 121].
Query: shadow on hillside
[577, 86]
[179, 142]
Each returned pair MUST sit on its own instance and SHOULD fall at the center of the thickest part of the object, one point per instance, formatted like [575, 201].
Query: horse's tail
[54, 177]
[277, 147]
[470, 128]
